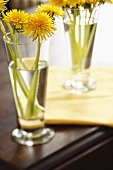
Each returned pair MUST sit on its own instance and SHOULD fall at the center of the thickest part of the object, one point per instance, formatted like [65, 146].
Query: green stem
[68, 14]
[15, 50]
[15, 92]
[19, 76]
[6, 38]
[30, 110]
[91, 12]
[18, 50]
[16, 80]
[75, 47]
[35, 66]
[86, 50]
[22, 84]
[32, 95]
[75, 43]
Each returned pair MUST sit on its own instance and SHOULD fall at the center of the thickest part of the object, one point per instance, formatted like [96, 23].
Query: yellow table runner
[92, 108]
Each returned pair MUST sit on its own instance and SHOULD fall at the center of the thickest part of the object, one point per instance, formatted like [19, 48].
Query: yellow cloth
[92, 108]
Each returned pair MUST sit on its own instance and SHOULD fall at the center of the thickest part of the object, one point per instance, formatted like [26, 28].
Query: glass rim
[10, 41]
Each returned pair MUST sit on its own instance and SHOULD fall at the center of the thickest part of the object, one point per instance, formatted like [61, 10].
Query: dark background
[23, 4]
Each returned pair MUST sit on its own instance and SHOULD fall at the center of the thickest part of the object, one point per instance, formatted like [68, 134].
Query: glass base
[29, 139]
[79, 87]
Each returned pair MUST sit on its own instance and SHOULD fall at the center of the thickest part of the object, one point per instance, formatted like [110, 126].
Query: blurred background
[23, 4]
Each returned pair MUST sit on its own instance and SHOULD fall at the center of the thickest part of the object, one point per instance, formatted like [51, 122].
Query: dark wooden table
[72, 148]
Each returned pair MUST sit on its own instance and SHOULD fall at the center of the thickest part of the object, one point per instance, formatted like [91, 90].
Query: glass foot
[79, 87]
[32, 138]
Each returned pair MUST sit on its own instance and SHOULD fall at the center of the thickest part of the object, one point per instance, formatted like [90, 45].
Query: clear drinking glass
[28, 69]
[80, 29]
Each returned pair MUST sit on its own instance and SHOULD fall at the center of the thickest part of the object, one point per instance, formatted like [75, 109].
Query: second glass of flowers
[80, 28]
[80, 24]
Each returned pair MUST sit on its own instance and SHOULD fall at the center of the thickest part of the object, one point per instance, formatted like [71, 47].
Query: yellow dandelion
[40, 25]
[111, 1]
[60, 3]
[16, 18]
[73, 3]
[52, 10]
[2, 4]
[81, 2]
[95, 2]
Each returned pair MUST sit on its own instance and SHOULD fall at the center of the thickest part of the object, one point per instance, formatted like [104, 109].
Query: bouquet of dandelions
[81, 18]
[39, 26]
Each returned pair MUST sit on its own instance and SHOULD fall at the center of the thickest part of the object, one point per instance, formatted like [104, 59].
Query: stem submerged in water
[30, 95]
[30, 110]
[81, 36]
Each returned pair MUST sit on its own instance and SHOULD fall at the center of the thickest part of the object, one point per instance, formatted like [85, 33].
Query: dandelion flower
[52, 10]
[60, 3]
[40, 25]
[2, 4]
[16, 18]
[97, 2]
[111, 1]
[73, 3]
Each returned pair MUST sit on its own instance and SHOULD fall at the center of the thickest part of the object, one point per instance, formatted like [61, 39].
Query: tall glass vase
[28, 68]
[80, 28]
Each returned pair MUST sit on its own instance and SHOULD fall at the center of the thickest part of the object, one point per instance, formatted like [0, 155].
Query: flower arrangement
[80, 22]
[38, 26]
[80, 12]
[78, 3]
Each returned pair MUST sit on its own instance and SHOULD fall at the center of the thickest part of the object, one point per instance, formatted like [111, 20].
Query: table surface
[69, 141]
